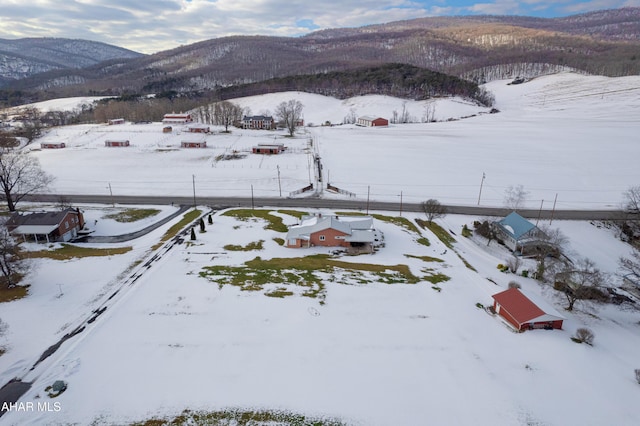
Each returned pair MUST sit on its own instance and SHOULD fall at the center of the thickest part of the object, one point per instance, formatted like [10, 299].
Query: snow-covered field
[370, 353]
[570, 135]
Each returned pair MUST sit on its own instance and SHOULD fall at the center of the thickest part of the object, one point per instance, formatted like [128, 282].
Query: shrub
[479, 305]
[584, 335]
[514, 284]
[466, 232]
[525, 273]
[637, 371]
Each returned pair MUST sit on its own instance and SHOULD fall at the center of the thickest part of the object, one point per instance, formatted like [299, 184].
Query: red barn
[367, 121]
[268, 148]
[202, 144]
[174, 118]
[116, 143]
[199, 128]
[526, 311]
[52, 145]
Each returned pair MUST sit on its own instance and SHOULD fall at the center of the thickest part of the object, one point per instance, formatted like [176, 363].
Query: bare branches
[290, 115]
[433, 209]
[21, 175]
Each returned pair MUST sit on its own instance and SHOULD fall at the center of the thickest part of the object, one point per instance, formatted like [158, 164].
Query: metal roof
[516, 225]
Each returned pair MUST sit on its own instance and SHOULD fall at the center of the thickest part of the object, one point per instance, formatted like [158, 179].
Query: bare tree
[584, 335]
[21, 175]
[226, 113]
[429, 115]
[548, 250]
[290, 115]
[582, 281]
[513, 263]
[12, 265]
[515, 197]
[630, 266]
[632, 199]
[433, 209]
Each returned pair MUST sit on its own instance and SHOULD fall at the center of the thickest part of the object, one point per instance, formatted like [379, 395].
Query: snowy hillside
[565, 134]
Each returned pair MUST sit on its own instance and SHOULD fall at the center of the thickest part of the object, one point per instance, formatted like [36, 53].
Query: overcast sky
[150, 26]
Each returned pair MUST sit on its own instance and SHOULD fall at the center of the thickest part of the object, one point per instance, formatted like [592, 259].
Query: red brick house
[46, 227]
[368, 121]
[526, 311]
[333, 231]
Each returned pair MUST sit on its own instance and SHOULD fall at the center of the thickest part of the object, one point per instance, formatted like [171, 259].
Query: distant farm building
[368, 121]
[257, 122]
[53, 145]
[355, 233]
[116, 121]
[264, 148]
[167, 129]
[518, 233]
[199, 128]
[201, 144]
[116, 143]
[526, 311]
[47, 226]
[174, 118]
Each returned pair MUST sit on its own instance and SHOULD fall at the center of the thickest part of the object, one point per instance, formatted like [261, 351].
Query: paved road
[11, 392]
[316, 202]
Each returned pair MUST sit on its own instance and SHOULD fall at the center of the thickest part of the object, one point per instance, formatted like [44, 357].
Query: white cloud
[150, 26]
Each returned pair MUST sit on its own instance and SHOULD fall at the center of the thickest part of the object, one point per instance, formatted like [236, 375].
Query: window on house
[321, 238]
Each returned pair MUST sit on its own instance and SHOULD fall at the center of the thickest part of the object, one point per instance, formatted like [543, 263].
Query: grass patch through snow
[187, 218]
[274, 222]
[132, 215]
[256, 245]
[438, 231]
[69, 251]
[8, 294]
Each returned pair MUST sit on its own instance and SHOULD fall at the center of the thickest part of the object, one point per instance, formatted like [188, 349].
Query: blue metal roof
[516, 225]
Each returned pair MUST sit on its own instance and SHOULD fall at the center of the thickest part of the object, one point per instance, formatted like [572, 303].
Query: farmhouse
[355, 233]
[116, 121]
[47, 227]
[201, 144]
[53, 145]
[174, 118]
[258, 122]
[266, 148]
[526, 311]
[368, 121]
[518, 233]
[199, 128]
[112, 143]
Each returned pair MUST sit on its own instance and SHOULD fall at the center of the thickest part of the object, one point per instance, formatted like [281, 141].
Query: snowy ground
[371, 354]
[567, 135]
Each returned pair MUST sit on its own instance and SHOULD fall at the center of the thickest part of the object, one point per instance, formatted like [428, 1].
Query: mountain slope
[24, 57]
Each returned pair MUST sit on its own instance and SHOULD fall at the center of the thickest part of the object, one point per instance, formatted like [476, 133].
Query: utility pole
[279, 185]
[368, 192]
[111, 194]
[193, 179]
[553, 211]
[252, 205]
[539, 212]
[481, 182]
[400, 203]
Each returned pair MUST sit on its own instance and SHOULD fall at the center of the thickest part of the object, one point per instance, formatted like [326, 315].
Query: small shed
[526, 311]
[167, 129]
[368, 121]
[119, 143]
[52, 145]
[116, 121]
[199, 128]
[264, 148]
[186, 144]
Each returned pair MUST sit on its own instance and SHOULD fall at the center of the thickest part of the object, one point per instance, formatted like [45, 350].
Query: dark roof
[42, 218]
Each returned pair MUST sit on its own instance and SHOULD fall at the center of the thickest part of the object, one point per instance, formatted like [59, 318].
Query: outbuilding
[116, 121]
[199, 128]
[174, 118]
[265, 148]
[526, 311]
[369, 121]
[52, 145]
[112, 143]
[201, 144]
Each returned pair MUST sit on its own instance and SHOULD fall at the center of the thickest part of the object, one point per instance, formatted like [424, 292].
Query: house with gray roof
[46, 227]
[518, 233]
[353, 232]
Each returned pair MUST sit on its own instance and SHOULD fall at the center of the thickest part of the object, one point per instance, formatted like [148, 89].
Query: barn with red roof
[526, 311]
